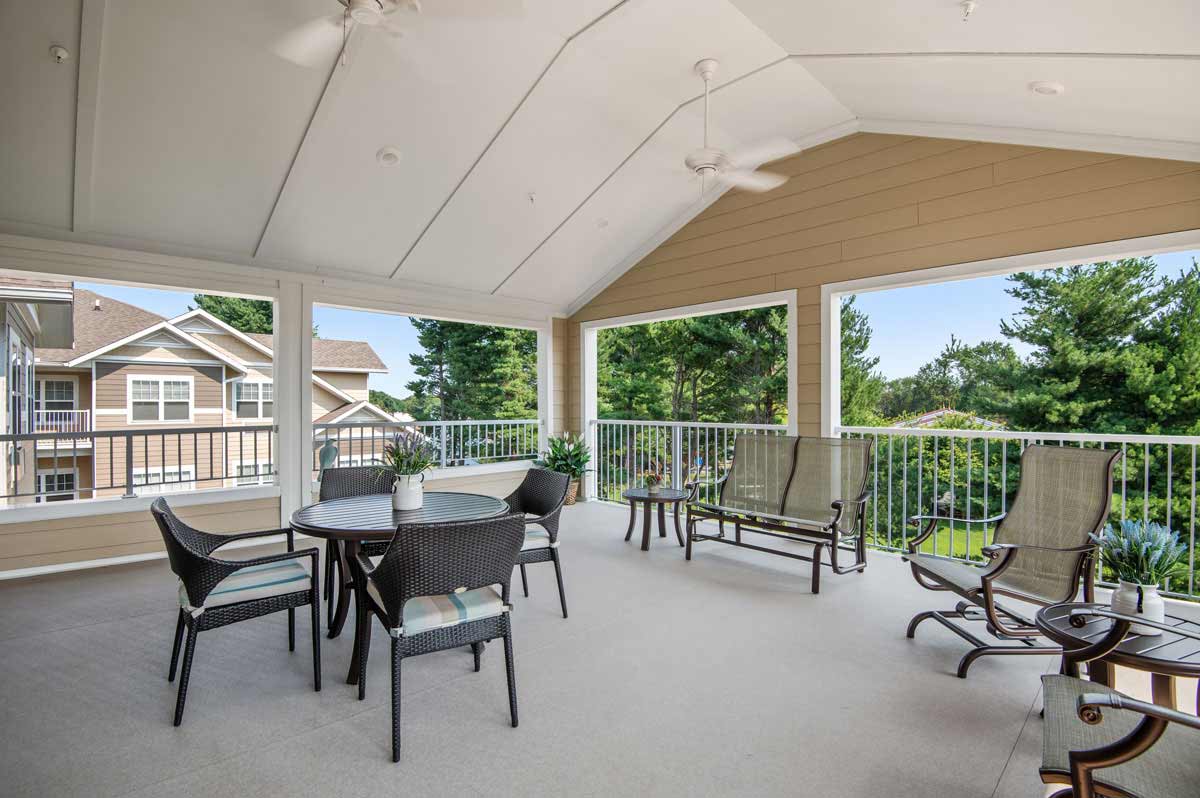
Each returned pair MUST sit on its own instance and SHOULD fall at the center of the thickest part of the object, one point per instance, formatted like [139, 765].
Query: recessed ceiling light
[388, 156]
[1047, 88]
[603, 223]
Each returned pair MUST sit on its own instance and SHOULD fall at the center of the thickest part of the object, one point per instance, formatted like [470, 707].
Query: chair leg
[185, 674]
[328, 562]
[512, 677]
[175, 647]
[524, 581]
[476, 650]
[816, 568]
[334, 563]
[363, 639]
[395, 700]
[562, 595]
[316, 635]
[291, 629]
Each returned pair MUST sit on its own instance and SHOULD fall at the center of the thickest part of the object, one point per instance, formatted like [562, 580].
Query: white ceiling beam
[87, 108]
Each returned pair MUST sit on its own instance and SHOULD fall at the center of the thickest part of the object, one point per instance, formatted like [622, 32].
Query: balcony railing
[680, 451]
[62, 421]
[917, 470]
[456, 443]
[976, 472]
[91, 464]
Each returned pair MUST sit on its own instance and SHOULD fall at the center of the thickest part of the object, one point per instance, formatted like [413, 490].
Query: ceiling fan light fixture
[366, 12]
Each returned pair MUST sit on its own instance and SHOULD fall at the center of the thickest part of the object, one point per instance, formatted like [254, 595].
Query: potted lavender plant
[1141, 557]
[409, 455]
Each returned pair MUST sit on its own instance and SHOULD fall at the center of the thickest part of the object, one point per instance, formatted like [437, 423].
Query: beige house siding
[558, 388]
[171, 354]
[112, 385]
[352, 383]
[237, 348]
[324, 402]
[870, 205]
[38, 543]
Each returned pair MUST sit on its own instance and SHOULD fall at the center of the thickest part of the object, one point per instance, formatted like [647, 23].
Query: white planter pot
[1139, 600]
[408, 493]
[654, 488]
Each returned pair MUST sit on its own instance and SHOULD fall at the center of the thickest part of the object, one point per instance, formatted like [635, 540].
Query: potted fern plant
[568, 455]
[1141, 557]
[409, 455]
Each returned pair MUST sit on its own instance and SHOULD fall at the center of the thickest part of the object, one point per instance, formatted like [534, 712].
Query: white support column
[545, 386]
[293, 397]
[587, 399]
[831, 361]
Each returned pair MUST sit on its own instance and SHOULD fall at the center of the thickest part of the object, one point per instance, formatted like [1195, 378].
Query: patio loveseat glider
[799, 489]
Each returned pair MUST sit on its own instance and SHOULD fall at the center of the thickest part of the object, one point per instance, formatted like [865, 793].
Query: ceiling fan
[734, 169]
[316, 42]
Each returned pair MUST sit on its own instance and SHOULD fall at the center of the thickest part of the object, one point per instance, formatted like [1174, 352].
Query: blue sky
[911, 325]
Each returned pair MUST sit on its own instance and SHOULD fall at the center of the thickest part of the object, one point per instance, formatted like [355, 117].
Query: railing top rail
[1019, 435]
[398, 423]
[133, 432]
[688, 424]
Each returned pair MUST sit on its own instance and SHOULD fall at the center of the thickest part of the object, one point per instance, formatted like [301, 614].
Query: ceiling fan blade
[752, 181]
[764, 152]
[315, 43]
[477, 9]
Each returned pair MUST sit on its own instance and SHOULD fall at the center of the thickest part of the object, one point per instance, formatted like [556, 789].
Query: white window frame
[159, 487]
[832, 293]
[257, 478]
[259, 382]
[38, 391]
[160, 379]
[43, 495]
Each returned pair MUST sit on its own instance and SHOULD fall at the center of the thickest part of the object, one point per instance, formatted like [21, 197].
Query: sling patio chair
[1041, 551]
[215, 592]
[540, 498]
[433, 589]
[342, 483]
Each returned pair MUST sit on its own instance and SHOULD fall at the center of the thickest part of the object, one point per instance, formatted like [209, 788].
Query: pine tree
[245, 315]
[862, 385]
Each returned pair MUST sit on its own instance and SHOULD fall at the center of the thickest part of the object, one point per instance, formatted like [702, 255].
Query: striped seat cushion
[536, 539]
[436, 612]
[254, 582]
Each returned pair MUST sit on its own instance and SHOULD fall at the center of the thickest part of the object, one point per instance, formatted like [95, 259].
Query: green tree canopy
[246, 315]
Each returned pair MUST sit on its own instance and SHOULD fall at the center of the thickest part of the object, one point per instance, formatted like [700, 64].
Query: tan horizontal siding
[35, 543]
[873, 204]
[112, 386]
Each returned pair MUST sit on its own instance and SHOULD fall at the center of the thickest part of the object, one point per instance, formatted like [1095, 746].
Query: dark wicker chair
[1104, 743]
[341, 483]
[434, 589]
[540, 498]
[215, 592]
[1041, 553]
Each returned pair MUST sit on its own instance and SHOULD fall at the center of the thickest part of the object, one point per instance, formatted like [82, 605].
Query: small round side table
[662, 498]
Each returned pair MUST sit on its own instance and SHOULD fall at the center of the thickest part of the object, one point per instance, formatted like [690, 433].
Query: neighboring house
[935, 418]
[193, 375]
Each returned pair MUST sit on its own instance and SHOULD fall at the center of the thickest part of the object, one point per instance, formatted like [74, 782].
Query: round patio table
[356, 520]
[1164, 656]
[662, 498]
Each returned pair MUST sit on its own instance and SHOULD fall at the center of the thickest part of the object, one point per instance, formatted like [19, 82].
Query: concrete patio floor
[722, 676]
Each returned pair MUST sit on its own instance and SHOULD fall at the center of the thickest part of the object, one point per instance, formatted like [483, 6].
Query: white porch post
[588, 403]
[831, 361]
[293, 396]
[545, 386]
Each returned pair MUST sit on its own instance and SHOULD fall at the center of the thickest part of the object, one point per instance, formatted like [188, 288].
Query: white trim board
[831, 293]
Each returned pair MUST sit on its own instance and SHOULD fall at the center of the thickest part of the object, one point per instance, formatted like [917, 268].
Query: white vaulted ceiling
[541, 151]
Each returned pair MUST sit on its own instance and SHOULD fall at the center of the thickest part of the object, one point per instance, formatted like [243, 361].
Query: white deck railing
[917, 470]
[457, 443]
[977, 472]
[62, 421]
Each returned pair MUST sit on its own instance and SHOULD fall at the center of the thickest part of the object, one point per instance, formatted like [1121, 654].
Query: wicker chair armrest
[513, 500]
[1089, 708]
[1078, 618]
[270, 558]
[223, 539]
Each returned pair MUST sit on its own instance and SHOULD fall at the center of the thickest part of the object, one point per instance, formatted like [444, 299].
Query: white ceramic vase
[1139, 600]
[407, 492]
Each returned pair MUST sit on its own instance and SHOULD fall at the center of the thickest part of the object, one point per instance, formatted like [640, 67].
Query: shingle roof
[115, 320]
[329, 353]
[95, 328]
